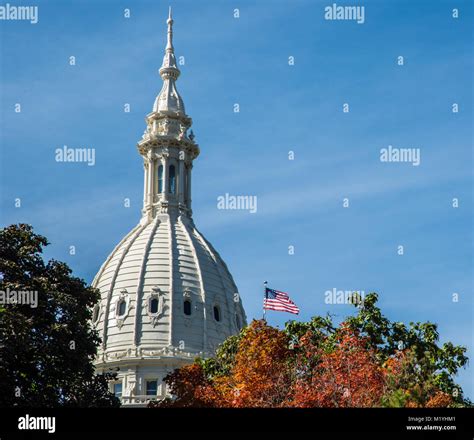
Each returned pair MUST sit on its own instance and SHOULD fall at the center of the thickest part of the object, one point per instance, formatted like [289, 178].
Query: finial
[169, 45]
[169, 99]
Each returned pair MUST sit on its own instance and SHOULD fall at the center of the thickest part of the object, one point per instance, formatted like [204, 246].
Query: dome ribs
[138, 230]
[201, 283]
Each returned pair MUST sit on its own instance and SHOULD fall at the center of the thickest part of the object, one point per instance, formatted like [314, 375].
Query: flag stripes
[279, 301]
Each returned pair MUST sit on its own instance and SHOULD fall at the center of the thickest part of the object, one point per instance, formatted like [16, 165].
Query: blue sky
[282, 108]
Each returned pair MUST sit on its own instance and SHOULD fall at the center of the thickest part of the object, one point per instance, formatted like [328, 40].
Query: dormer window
[121, 307]
[154, 305]
[96, 314]
[187, 307]
[217, 313]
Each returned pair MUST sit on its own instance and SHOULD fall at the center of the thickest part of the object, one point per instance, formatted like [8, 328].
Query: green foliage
[46, 352]
[429, 367]
[395, 399]
[223, 361]
[318, 327]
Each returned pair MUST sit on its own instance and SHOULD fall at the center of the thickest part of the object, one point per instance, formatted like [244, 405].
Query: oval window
[217, 314]
[154, 305]
[95, 313]
[122, 307]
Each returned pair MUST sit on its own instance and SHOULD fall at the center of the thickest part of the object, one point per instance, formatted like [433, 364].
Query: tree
[425, 370]
[47, 345]
[346, 373]
[248, 370]
[260, 375]
[190, 386]
[366, 361]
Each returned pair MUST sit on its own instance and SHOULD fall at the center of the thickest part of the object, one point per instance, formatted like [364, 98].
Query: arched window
[187, 307]
[217, 313]
[154, 305]
[172, 179]
[160, 179]
[121, 307]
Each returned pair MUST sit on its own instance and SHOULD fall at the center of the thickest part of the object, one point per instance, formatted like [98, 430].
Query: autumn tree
[190, 388]
[366, 361]
[346, 374]
[260, 375]
[249, 370]
[427, 369]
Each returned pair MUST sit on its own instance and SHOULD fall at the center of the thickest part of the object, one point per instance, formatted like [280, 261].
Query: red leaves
[189, 385]
[348, 375]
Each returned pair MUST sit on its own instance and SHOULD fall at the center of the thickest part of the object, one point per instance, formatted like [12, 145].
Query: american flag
[280, 301]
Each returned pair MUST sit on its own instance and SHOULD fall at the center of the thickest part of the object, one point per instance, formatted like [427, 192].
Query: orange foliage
[346, 376]
[439, 400]
[340, 370]
[260, 377]
[190, 387]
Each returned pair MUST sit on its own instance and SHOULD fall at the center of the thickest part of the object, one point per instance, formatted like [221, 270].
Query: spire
[169, 45]
[169, 69]
[169, 101]
[167, 148]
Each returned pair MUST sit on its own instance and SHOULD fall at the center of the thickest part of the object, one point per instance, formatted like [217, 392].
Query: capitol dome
[166, 294]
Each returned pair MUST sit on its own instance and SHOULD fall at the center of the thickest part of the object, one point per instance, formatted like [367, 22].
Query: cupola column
[188, 189]
[152, 179]
[145, 183]
[181, 181]
[148, 179]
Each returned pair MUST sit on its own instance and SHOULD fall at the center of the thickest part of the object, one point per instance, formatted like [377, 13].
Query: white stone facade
[166, 295]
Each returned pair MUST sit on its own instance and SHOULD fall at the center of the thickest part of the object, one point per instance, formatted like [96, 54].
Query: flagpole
[264, 296]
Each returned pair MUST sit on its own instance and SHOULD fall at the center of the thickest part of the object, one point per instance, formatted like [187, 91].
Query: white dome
[169, 260]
